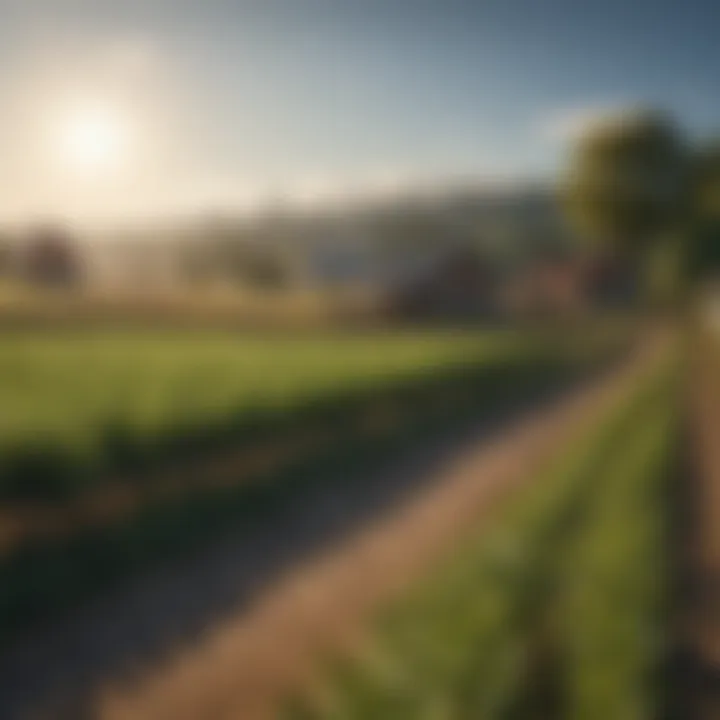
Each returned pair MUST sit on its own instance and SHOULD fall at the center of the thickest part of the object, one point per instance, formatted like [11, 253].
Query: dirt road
[220, 637]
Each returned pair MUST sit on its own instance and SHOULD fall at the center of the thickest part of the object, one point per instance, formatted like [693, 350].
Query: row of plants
[612, 614]
[45, 575]
[552, 612]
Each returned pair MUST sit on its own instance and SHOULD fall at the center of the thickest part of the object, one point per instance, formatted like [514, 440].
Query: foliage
[627, 181]
[704, 256]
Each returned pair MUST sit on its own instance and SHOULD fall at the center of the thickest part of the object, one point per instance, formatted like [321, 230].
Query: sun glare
[93, 139]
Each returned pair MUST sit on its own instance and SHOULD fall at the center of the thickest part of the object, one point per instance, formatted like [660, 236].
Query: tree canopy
[626, 181]
[705, 255]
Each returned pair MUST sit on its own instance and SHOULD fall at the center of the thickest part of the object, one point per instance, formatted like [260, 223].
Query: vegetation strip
[617, 583]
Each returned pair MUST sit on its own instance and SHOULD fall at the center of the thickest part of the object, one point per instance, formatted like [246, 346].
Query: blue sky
[230, 99]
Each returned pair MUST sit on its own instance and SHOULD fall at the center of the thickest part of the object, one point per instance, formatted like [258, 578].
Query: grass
[78, 407]
[613, 611]
[554, 611]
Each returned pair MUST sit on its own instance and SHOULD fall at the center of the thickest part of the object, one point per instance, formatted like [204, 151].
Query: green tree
[704, 257]
[627, 182]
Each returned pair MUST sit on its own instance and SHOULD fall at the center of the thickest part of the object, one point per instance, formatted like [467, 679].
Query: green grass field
[76, 399]
[79, 406]
[66, 386]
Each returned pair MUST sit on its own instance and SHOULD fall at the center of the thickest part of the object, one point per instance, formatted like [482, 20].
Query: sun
[92, 138]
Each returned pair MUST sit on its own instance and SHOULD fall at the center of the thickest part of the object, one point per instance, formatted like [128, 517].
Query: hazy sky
[134, 106]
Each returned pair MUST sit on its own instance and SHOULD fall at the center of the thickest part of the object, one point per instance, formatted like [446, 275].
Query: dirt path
[267, 634]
